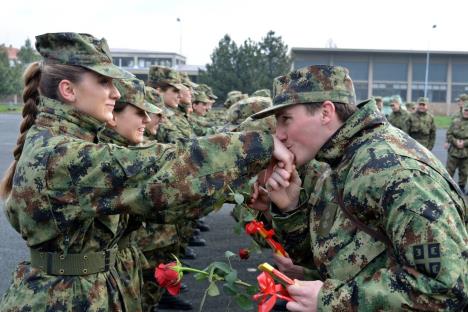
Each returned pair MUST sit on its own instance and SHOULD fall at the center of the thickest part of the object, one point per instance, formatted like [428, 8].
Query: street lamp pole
[426, 78]
[180, 35]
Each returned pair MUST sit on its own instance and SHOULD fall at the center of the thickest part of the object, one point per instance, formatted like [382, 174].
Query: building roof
[300, 49]
[145, 52]
[12, 53]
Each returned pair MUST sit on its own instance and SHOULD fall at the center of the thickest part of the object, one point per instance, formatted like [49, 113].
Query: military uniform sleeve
[430, 242]
[432, 134]
[450, 137]
[157, 180]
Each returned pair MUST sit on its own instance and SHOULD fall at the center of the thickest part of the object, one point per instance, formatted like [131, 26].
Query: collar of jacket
[66, 119]
[109, 135]
[366, 117]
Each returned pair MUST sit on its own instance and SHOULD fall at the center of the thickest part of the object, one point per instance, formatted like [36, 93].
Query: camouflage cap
[262, 92]
[79, 50]
[233, 92]
[132, 91]
[396, 98]
[463, 97]
[234, 98]
[247, 107]
[200, 96]
[208, 91]
[424, 100]
[465, 105]
[410, 105]
[185, 79]
[153, 97]
[161, 74]
[311, 84]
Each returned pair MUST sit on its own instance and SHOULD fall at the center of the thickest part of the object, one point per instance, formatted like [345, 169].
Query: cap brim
[271, 110]
[151, 108]
[212, 96]
[178, 86]
[111, 70]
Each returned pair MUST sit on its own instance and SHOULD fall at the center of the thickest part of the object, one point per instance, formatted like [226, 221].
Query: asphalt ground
[219, 239]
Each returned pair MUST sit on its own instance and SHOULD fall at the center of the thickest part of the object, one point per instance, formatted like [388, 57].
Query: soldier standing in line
[389, 233]
[399, 117]
[460, 102]
[457, 158]
[421, 125]
[410, 107]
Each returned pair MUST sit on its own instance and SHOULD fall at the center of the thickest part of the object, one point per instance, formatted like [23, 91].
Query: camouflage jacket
[201, 126]
[69, 191]
[458, 130]
[422, 128]
[394, 185]
[400, 119]
[175, 127]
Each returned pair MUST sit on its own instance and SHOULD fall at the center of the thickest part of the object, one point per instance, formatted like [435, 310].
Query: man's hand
[460, 144]
[283, 156]
[286, 266]
[305, 296]
[284, 188]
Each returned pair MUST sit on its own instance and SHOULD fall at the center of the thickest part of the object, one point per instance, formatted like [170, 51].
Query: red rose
[244, 253]
[253, 227]
[168, 278]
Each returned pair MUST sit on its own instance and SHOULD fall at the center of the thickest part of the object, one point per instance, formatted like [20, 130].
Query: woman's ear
[66, 90]
[112, 123]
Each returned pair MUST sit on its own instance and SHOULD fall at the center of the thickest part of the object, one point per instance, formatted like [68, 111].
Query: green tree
[275, 59]
[6, 73]
[27, 54]
[246, 68]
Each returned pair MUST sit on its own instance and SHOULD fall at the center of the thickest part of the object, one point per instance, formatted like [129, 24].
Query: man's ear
[66, 90]
[328, 111]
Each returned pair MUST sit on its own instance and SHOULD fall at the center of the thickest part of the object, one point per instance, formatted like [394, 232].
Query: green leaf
[228, 254]
[244, 302]
[252, 290]
[231, 277]
[239, 198]
[200, 276]
[230, 289]
[252, 180]
[237, 228]
[213, 290]
[222, 266]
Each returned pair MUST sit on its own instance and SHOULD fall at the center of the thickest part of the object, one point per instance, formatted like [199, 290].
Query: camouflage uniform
[71, 197]
[400, 119]
[458, 157]
[422, 128]
[393, 185]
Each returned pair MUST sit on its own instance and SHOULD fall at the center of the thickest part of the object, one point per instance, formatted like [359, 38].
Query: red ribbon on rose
[255, 226]
[269, 292]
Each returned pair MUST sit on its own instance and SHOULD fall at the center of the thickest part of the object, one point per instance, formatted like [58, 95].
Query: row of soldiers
[420, 125]
[185, 112]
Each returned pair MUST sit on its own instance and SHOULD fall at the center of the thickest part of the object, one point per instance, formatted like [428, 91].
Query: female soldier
[66, 193]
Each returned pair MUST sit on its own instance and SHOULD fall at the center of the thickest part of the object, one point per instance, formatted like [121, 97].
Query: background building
[391, 72]
[138, 62]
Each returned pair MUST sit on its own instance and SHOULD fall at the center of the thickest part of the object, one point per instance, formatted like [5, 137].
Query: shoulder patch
[427, 258]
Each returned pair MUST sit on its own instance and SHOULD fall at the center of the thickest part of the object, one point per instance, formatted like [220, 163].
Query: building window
[361, 90]
[390, 71]
[123, 61]
[437, 72]
[390, 89]
[459, 72]
[435, 92]
[357, 70]
[458, 89]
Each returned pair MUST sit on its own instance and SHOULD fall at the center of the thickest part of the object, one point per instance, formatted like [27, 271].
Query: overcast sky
[152, 25]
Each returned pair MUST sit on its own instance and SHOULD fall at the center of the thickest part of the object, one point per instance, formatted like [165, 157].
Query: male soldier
[460, 102]
[421, 125]
[410, 107]
[457, 137]
[389, 233]
[399, 117]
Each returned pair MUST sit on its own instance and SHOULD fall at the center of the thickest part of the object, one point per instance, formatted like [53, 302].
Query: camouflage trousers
[151, 292]
[454, 163]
